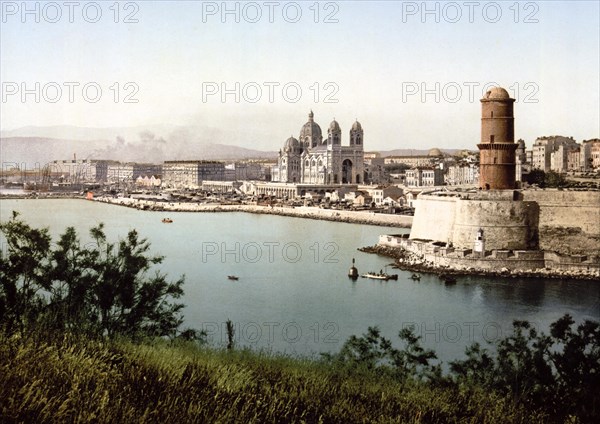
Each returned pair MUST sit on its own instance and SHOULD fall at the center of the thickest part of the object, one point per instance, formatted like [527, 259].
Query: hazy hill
[154, 143]
[414, 152]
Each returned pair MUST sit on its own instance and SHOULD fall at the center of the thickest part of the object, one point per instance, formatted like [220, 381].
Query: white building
[312, 160]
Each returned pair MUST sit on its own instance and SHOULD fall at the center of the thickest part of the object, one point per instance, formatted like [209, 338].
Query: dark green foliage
[74, 379]
[546, 179]
[554, 179]
[559, 373]
[373, 352]
[98, 289]
[22, 273]
[536, 176]
[396, 167]
[230, 335]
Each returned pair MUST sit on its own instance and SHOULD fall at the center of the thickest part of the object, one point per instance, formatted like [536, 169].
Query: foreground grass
[77, 380]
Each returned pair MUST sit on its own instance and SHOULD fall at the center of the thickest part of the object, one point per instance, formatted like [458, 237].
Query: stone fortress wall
[507, 224]
[562, 208]
[454, 218]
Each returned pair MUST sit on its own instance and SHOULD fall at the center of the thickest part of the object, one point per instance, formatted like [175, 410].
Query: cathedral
[312, 160]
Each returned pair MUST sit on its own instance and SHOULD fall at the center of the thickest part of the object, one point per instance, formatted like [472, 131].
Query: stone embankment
[355, 217]
[406, 260]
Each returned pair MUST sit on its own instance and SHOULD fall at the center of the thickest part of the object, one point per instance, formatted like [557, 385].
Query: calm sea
[293, 294]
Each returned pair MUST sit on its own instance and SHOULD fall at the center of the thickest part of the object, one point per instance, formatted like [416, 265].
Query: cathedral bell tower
[356, 135]
[334, 134]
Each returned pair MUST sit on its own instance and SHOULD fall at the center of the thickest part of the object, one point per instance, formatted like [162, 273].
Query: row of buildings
[563, 154]
[313, 159]
[169, 174]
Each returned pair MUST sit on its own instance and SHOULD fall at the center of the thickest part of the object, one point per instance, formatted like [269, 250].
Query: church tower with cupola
[356, 135]
[334, 134]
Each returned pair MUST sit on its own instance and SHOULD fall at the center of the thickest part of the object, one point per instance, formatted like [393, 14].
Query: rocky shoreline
[409, 261]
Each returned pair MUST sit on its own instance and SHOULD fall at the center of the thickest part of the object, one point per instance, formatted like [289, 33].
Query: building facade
[310, 159]
[191, 174]
[543, 149]
[424, 177]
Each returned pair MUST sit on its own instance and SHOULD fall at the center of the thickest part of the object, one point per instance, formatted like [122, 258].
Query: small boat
[415, 277]
[233, 277]
[380, 276]
[167, 220]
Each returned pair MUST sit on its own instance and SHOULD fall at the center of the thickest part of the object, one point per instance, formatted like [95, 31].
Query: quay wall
[536, 261]
[563, 208]
[364, 217]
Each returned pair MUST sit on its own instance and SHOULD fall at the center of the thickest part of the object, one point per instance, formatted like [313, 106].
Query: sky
[411, 72]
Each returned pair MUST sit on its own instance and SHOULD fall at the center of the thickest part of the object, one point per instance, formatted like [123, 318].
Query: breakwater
[355, 217]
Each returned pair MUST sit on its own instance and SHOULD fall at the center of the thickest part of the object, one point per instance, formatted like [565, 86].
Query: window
[491, 138]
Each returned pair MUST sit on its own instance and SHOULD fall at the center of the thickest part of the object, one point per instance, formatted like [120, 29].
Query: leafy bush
[100, 289]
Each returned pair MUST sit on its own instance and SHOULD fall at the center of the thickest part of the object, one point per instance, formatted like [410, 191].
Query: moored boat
[380, 276]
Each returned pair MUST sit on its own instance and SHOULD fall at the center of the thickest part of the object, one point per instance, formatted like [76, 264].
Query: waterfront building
[424, 177]
[119, 172]
[544, 147]
[191, 174]
[310, 159]
[146, 169]
[291, 191]
[375, 172]
[462, 173]
[221, 186]
[75, 170]
[380, 193]
[434, 155]
[592, 158]
[150, 182]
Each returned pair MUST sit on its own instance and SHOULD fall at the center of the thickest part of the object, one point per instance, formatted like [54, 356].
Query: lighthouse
[479, 246]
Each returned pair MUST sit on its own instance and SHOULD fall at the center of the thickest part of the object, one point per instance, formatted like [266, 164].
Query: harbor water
[293, 294]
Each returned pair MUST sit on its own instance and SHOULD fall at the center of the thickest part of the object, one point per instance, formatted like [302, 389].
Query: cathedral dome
[311, 131]
[497, 93]
[435, 152]
[356, 126]
[334, 126]
[291, 144]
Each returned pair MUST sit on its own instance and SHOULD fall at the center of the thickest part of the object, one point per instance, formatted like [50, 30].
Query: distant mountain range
[140, 144]
[153, 144]
[415, 152]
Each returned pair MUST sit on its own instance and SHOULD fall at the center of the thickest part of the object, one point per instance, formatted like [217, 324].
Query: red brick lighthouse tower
[497, 160]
